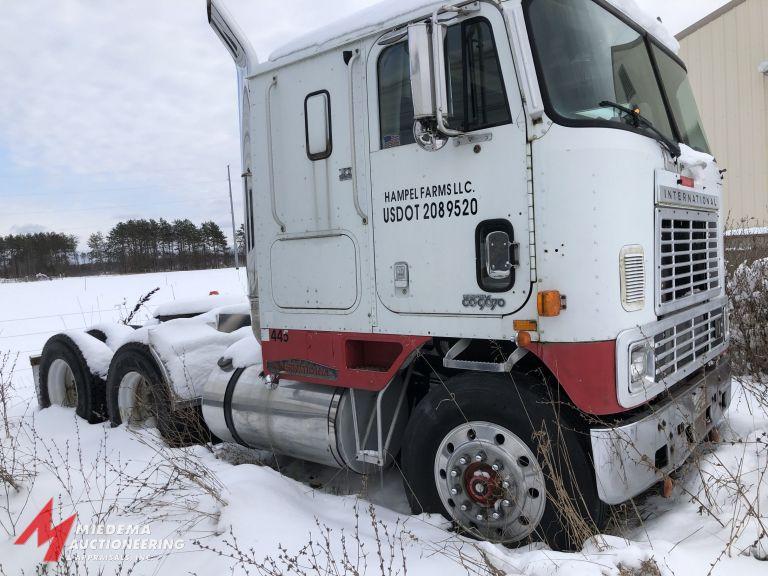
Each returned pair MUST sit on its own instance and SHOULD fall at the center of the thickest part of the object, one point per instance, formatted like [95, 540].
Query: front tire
[489, 454]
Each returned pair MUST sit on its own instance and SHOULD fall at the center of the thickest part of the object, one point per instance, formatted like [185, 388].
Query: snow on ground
[209, 508]
[30, 312]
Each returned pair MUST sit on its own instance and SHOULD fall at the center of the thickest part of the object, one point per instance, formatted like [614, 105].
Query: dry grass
[139, 305]
[748, 293]
[556, 464]
[647, 568]
[16, 467]
[7, 391]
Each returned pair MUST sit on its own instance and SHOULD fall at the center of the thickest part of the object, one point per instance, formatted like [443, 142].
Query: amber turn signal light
[525, 325]
[550, 303]
[523, 339]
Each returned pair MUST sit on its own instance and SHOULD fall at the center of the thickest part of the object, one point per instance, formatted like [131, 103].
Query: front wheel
[488, 453]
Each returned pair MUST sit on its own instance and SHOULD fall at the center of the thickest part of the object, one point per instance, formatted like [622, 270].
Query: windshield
[681, 99]
[588, 56]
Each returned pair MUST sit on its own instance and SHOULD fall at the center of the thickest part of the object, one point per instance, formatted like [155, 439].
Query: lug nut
[464, 507]
[479, 517]
[454, 473]
[497, 466]
[463, 460]
[506, 503]
[480, 457]
[505, 485]
[454, 490]
[495, 515]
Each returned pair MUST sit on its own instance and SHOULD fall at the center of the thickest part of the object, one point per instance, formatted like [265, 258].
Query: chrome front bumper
[630, 458]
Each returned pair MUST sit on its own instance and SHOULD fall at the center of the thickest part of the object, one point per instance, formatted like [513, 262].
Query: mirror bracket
[473, 138]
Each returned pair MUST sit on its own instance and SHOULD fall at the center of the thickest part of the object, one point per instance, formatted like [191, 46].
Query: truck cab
[480, 205]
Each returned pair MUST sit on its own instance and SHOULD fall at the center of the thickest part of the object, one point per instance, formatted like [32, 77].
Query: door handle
[497, 255]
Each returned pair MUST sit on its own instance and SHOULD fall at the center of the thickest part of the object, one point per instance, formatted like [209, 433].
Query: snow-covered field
[227, 510]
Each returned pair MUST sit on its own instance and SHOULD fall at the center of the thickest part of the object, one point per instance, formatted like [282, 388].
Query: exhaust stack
[231, 36]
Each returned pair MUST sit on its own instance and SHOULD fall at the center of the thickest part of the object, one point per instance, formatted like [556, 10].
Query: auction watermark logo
[47, 532]
[95, 542]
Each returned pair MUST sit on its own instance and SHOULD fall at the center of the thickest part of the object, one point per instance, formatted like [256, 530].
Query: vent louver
[632, 265]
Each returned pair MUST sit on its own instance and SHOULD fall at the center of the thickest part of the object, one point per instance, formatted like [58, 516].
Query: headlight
[641, 366]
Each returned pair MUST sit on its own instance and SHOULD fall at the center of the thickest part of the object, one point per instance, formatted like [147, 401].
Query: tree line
[23, 255]
[130, 247]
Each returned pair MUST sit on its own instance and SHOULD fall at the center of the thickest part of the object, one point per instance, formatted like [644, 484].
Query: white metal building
[727, 57]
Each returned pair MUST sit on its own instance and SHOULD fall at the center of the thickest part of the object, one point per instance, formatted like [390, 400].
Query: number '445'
[278, 335]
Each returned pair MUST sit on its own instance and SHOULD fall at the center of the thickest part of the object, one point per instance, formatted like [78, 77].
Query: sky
[118, 110]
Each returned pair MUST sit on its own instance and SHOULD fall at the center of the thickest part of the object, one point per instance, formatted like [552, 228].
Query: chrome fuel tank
[306, 421]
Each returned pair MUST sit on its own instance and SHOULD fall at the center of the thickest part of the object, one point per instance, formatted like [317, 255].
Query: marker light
[523, 339]
[550, 303]
[525, 325]
[687, 182]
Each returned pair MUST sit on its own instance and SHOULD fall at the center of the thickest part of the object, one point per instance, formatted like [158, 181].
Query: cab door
[451, 226]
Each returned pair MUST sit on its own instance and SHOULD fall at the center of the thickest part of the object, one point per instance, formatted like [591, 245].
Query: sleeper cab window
[476, 93]
[317, 119]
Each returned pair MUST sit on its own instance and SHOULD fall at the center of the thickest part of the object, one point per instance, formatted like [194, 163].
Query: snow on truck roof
[357, 24]
[371, 19]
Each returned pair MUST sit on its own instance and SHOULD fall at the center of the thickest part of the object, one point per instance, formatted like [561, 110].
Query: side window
[317, 120]
[477, 97]
[395, 100]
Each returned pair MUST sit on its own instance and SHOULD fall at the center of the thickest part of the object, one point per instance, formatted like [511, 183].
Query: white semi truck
[484, 243]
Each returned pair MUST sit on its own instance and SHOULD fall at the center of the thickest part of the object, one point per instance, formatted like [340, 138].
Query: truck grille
[689, 342]
[687, 263]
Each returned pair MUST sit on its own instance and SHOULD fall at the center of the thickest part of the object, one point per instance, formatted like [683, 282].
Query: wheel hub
[490, 482]
[483, 484]
[134, 400]
[62, 388]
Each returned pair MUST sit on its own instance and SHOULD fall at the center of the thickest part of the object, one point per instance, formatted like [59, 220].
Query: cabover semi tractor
[484, 245]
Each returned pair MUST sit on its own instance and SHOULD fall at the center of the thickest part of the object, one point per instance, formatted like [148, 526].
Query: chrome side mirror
[428, 84]
[422, 78]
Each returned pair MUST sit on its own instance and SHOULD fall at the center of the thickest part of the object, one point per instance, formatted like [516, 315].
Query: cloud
[28, 229]
[131, 87]
[101, 96]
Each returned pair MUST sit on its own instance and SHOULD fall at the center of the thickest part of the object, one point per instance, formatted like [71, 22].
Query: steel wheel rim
[134, 400]
[62, 388]
[490, 482]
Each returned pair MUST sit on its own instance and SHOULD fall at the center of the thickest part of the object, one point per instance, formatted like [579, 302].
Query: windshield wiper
[639, 120]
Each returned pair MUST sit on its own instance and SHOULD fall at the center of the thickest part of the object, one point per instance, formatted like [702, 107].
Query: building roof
[711, 17]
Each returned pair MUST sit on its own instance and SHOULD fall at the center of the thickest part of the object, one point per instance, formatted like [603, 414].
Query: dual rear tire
[66, 380]
[138, 395]
[135, 393]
